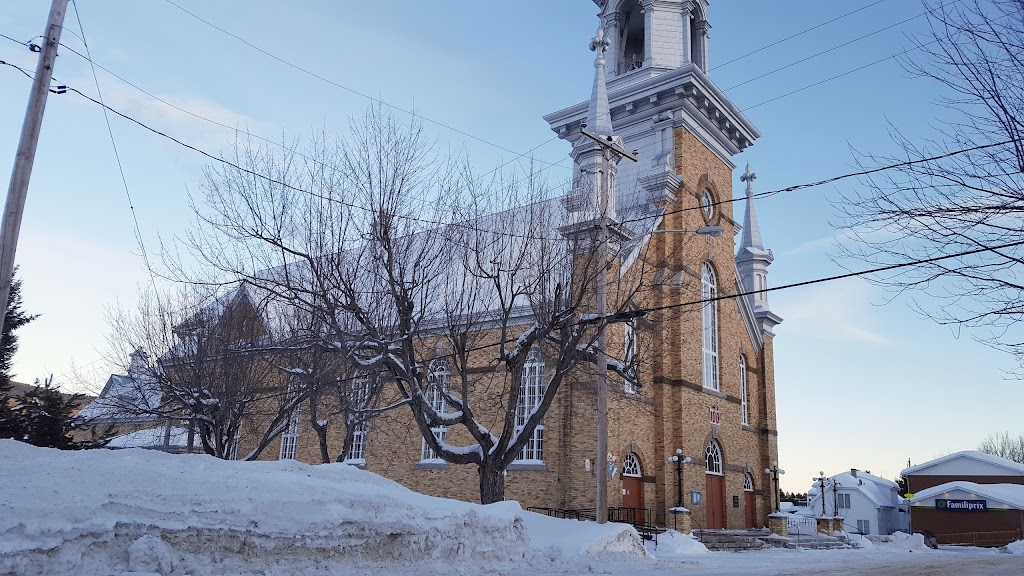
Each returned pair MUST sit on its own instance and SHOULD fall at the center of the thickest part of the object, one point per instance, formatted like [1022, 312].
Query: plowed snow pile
[107, 512]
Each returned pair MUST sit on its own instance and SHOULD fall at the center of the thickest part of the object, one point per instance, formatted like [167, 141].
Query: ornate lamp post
[775, 472]
[821, 486]
[679, 459]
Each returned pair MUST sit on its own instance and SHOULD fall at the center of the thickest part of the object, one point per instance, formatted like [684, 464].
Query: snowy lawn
[114, 512]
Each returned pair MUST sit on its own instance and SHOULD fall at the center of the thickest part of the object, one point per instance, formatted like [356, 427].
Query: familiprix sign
[961, 505]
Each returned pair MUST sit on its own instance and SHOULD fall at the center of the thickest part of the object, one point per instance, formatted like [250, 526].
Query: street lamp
[775, 472]
[821, 485]
[679, 459]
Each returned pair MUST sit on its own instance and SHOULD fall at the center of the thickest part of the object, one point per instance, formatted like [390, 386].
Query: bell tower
[648, 37]
[656, 63]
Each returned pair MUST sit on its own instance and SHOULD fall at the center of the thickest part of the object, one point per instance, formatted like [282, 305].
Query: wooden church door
[714, 486]
[632, 488]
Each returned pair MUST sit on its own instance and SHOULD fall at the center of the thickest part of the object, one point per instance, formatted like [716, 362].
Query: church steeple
[751, 231]
[593, 189]
[752, 260]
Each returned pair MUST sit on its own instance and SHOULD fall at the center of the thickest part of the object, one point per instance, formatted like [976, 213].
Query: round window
[707, 205]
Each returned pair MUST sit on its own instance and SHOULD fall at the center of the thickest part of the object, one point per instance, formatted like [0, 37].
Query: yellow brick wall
[672, 409]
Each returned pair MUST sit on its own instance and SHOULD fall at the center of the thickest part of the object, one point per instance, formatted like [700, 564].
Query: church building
[703, 347]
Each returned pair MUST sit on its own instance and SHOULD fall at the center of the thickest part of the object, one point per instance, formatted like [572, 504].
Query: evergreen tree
[45, 417]
[15, 318]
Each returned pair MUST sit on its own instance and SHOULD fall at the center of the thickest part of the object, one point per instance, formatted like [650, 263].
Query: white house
[868, 504]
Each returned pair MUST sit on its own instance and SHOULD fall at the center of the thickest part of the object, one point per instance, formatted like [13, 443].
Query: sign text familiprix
[961, 505]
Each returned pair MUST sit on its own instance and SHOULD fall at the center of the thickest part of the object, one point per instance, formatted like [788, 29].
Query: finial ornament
[599, 43]
[749, 176]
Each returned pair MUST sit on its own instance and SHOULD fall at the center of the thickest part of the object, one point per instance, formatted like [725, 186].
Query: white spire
[599, 117]
[751, 230]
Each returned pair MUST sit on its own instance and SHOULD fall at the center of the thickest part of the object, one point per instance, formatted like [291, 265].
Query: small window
[748, 483]
[695, 498]
[707, 205]
[864, 526]
[844, 501]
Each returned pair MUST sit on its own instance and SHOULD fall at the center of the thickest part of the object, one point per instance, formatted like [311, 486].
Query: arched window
[709, 326]
[359, 399]
[698, 39]
[530, 397]
[631, 466]
[290, 437]
[629, 356]
[438, 380]
[748, 483]
[632, 37]
[713, 458]
[744, 394]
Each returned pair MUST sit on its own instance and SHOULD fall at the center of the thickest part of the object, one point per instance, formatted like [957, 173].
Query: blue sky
[860, 384]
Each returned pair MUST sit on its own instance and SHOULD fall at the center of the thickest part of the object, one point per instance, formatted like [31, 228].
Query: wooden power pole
[16, 193]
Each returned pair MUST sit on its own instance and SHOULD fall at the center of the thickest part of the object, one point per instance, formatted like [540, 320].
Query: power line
[338, 85]
[113, 144]
[832, 49]
[790, 37]
[626, 221]
[839, 276]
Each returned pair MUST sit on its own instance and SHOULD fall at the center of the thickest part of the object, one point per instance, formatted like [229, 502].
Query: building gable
[967, 463]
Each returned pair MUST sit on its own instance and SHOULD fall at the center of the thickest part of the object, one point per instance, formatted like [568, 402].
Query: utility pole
[16, 193]
[609, 148]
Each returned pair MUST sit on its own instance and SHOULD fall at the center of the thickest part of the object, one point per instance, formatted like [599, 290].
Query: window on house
[864, 526]
[359, 398]
[748, 483]
[629, 357]
[438, 380]
[744, 396]
[529, 398]
[709, 326]
[843, 501]
[713, 458]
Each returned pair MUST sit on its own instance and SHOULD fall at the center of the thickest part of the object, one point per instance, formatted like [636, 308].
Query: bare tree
[403, 258]
[962, 201]
[209, 369]
[1004, 446]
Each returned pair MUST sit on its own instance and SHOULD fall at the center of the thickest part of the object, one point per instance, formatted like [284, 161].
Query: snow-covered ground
[115, 512]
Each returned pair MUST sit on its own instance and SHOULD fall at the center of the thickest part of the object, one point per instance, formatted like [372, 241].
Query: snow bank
[103, 512]
[1016, 547]
[672, 544]
[96, 508]
[569, 539]
[904, 541]
[860, 541]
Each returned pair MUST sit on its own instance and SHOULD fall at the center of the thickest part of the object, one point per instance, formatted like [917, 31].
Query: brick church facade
[705, 380]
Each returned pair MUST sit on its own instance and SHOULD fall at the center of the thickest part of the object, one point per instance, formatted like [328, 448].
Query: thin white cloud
[834, 311]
